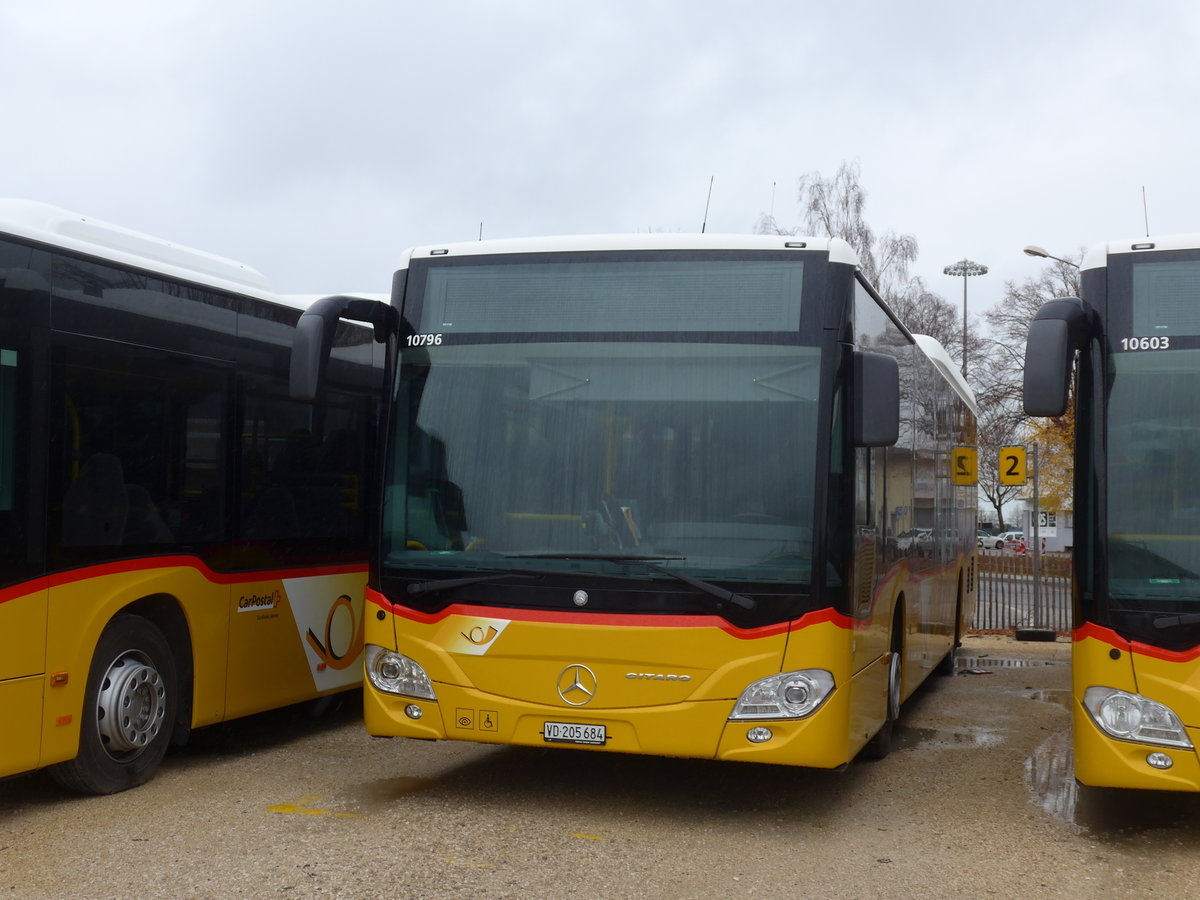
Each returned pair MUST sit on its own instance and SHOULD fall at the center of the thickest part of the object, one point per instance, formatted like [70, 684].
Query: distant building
[1055, 526]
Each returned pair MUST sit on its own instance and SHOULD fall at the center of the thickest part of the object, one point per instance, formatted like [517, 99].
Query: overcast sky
[315, 141]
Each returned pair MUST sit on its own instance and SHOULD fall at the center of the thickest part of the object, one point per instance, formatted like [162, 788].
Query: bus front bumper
[698, 729]
[1104, 761]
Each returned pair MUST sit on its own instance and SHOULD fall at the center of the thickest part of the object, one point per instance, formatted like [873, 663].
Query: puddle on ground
[908, 736]
[1050, 777]
[1003, 662]
[1060, 697]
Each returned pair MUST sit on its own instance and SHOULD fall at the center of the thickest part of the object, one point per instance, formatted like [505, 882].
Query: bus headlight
[395, 673]
[789, 695]
[1132, 717]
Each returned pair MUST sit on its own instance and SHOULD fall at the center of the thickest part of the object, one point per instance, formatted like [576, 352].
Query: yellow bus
[180, 542]
[645, 494]
[1133, 340]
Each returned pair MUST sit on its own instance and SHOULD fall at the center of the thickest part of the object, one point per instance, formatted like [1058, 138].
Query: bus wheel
[949, 661]
[128, 710]
[881, 744]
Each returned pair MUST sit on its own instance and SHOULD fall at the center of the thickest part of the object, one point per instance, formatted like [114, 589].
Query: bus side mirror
[313, 338]
[310, 351]
[1055, 334]
[875, 406]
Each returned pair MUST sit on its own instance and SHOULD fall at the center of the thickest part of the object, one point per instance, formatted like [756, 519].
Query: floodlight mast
[965, 268]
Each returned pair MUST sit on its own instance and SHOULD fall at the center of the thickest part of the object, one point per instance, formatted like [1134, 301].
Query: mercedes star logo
[577, 685]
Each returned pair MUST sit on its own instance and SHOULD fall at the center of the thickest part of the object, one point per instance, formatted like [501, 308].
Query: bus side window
[143, 461]
[303, 467]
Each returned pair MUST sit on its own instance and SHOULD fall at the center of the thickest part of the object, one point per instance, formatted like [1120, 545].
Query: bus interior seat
[95, 505]
[272, 514]
[144, 525]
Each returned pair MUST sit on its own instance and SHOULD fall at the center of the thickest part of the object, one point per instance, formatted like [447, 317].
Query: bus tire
[948, 663]
[128, 710]
[946, 667]
[881, 744]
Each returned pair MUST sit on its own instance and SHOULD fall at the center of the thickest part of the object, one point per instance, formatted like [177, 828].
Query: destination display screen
[587, 294]
[1165, 300]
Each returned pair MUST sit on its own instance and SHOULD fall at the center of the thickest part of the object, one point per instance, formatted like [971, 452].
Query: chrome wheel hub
[131, 707]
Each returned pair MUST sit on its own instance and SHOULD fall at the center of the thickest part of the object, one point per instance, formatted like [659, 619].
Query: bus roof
[56, 227]
[939, 357]
[839, 251]
[1098, 254]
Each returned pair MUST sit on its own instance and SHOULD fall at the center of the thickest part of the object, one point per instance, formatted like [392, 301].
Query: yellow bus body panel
[1169, 678]
[664, 685]
[21, 702]
[255, 644]
[23, 633]
[22, 664]
[292, 638]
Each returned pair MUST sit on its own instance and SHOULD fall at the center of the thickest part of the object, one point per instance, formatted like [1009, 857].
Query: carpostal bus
[1134, 340]
[642, 494]
[180, 542]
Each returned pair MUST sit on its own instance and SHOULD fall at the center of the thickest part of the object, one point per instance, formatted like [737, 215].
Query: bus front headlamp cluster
[1132, 717]
[789, 695]
[395, 673]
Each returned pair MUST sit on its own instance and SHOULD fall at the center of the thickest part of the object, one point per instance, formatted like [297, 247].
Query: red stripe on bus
[1108, 636]
[148, 564]
[625, 620]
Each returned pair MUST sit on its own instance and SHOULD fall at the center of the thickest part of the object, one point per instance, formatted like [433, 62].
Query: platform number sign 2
[1012, 465]
[965, 462]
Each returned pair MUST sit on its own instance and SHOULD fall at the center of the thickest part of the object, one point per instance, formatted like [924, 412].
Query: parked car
[1009, 539]
[914, 539]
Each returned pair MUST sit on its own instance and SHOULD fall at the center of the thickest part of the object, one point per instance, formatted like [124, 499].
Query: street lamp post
[1034, 250]
[965, 268]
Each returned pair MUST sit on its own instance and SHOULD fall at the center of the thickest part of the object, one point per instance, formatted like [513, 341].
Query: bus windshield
[698, 455]
[1153, 479]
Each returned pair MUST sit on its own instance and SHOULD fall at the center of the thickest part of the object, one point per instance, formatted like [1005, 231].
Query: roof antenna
[481, 231]
[1145, 213]
[704, 224]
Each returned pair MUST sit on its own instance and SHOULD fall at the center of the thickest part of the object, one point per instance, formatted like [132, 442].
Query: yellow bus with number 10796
[645, 494]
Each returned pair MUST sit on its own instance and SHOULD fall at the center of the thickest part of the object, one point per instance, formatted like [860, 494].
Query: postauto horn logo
[327, 650]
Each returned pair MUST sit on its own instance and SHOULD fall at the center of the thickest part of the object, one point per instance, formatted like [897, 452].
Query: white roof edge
[939, 357]
[57, 227]
[839, 251]
[1098, 254]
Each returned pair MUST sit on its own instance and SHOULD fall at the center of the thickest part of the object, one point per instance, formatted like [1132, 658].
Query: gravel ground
[977, 800]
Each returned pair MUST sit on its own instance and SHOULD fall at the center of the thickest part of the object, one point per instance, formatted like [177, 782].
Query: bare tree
[1003, 363]
[1010, 318]
[836, 207]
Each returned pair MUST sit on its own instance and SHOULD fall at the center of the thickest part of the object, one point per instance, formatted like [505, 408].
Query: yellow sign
[965, 465]
[1012, 465]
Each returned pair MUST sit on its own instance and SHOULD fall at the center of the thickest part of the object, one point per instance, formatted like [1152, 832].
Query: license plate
[573, 733]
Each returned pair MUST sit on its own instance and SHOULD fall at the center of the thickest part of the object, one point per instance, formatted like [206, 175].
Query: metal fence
[1005, 600]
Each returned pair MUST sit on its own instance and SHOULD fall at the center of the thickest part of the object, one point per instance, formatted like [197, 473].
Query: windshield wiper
[425, 587]
[650, 562]
[1176, 621]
